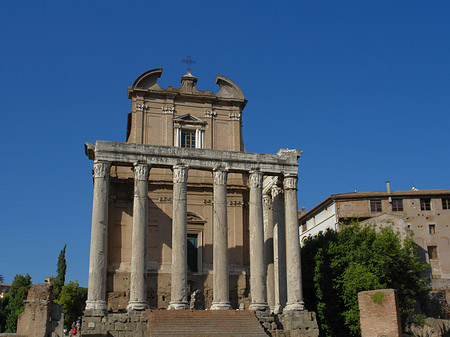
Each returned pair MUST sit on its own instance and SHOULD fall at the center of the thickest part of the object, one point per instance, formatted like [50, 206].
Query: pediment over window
[189, 119]
[194, 218]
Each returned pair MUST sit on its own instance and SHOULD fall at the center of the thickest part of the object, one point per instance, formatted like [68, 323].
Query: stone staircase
[204, 323]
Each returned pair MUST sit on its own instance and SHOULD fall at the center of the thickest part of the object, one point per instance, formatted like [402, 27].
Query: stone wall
[41, 317]
[379, 313]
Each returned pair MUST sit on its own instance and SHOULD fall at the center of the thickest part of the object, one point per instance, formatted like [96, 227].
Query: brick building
[424, 212]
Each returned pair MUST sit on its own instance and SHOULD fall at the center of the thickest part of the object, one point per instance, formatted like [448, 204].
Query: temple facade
[183, 215]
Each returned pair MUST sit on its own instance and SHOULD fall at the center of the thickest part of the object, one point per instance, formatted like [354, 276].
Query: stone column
[257, 272]
[220, 241]
[138, 284]
[279, 242]
[293, 262]
[96, 300]
[179, 239]
[268, 249]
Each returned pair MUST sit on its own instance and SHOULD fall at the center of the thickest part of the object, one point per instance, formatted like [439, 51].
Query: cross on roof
[188, 62]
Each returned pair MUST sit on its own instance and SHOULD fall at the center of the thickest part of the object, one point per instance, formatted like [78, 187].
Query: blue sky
[362, 87]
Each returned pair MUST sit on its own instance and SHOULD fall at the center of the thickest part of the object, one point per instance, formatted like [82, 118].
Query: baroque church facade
[181, 208]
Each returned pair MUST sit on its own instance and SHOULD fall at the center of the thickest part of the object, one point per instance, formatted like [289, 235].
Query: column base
[96, 308]
[278, 309]
[296, 306]
[137, 306]
[178, 306]
[220, 306]
[259, 307]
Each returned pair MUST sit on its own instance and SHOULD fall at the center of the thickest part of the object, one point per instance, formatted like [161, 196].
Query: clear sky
[362, 87]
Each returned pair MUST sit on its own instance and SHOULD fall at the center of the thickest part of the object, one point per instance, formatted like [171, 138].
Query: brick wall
[379, 313]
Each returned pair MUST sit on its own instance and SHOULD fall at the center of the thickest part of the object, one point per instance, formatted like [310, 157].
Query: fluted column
[268, 249]
[257, 272]
[279, 242]
[96, 300]
[138, 284]
[293, 262]
[179, 239]
[220, 243]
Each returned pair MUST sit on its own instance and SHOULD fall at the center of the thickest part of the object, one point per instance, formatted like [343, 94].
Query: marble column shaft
[138, 284]
[279, 248]
[257, 271]
[293, 261]
[220, 243]
[96, 300]
[268, 249]
[179, 239]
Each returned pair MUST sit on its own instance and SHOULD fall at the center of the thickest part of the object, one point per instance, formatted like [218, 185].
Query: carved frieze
[290, 183]
[168, 110]
[220, 177]
[207, 201]
[141, 172]
[275, 191]
[101, 169]
[256, 179]
[234, 116]
[210, 113]
[165, 199]
[142, 107]
[236, 203]
[180, 174]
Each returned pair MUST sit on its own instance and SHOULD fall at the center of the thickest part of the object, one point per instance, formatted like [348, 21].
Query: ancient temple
[181, 210]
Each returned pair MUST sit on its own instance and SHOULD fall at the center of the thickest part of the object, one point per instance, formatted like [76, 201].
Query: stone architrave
[179, 239]
[96, 299]
[257, 271]
[293, 262]
[279, 236]
[138, 284]
[220, 250]
[268, 249]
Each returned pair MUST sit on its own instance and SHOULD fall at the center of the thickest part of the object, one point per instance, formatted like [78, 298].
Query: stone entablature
[126, 154]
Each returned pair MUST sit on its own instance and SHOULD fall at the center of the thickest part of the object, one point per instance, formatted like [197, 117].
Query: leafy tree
[72, 299]
[60, 279]
[339, 265]
[12, 304]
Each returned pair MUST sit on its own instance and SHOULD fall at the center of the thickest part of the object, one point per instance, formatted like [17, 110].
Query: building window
[375, 206]
[432, 252]
[445, 203]
[432, 228]
[303, 227]
[187, 138]
[397, 205]
[425, 204]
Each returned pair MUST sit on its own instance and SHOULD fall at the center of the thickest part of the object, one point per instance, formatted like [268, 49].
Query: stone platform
[232, 323]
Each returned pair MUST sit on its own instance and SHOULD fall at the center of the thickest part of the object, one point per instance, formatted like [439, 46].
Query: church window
[375, 206]
[425, 204]
[188, 138]
[397, 205]
[445, 203]
[192, 253]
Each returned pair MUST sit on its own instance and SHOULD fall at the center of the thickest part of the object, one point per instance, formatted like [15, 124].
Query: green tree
[60, 279]
[72, 299]
[12, 304]
[339, 265]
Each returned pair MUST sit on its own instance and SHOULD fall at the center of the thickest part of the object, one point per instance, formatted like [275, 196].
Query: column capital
[220, 177]
[267, 201]
[141, 171]
[180, 173]
[275, 191]
[256, 179]
[290, 183]
[101, 169]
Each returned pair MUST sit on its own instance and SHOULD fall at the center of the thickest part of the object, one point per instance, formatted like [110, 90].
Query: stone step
[202, 323]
